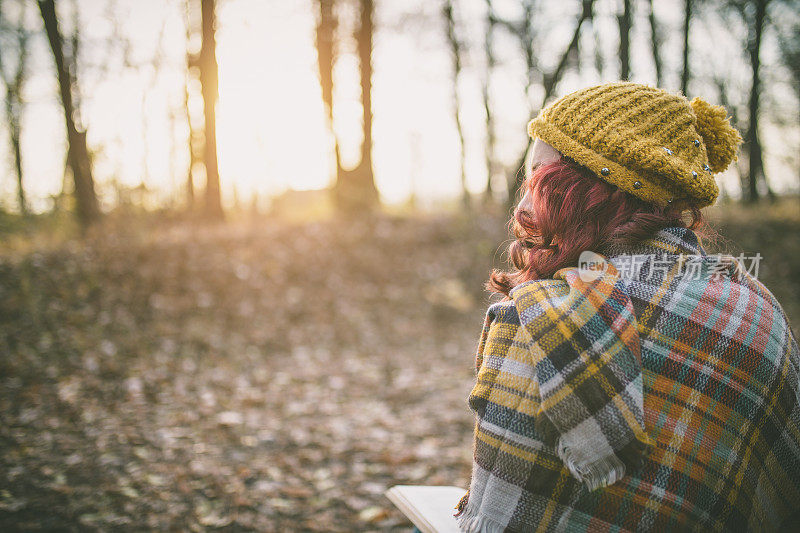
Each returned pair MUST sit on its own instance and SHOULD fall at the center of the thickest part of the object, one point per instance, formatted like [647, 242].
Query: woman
[628, 380]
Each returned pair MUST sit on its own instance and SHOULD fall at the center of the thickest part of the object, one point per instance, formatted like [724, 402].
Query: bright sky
[271, 128]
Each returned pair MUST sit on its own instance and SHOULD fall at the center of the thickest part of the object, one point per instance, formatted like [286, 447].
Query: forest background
[243, 243]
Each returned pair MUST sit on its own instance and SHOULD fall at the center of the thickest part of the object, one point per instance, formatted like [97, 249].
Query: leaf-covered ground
[259, 376]
[248, 377]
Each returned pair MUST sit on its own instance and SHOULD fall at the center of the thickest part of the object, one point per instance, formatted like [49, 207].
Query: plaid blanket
[658, 393]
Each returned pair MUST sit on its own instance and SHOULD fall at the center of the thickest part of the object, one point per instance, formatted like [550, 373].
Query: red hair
[568, 210]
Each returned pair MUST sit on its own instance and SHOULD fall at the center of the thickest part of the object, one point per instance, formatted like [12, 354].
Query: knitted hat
[656, 145]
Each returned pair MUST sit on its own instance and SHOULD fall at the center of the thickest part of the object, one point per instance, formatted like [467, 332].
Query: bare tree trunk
[488, 45]
[14, 82]
[754, 152]
[655, 40]
[192, 150]
[72, 58]
[364, 36]
[326, 56]
[455, 50]
[355, 191]
[526, 40]
[13, 116]
[686, 72]
[724, 100]
[15, 142]
[625, 20]
[790, 52]
[78, 155]
[209, 84]
[599, 60]
[193, 138]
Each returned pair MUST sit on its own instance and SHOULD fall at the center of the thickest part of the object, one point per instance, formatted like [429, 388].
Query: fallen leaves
[263, 377]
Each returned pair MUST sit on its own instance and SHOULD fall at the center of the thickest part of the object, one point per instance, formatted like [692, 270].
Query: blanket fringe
[470, 521]
[478, 524]
[601, 473]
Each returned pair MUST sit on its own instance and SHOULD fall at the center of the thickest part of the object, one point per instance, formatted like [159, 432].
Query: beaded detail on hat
[644, 140]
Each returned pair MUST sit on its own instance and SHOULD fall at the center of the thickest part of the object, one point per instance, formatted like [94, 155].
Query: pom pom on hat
[720, 138]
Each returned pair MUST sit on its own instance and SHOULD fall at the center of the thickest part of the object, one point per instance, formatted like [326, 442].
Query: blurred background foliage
[243, 242]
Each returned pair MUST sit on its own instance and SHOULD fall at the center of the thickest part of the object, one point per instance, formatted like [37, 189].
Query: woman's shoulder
[533, 298]
[507, 308]
[522, 301]
[502, 311]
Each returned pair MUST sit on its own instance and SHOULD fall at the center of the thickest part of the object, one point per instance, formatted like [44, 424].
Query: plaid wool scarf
[585, 350]
[639, 397]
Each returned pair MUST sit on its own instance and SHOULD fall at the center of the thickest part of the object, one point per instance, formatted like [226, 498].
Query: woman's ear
[541, 152]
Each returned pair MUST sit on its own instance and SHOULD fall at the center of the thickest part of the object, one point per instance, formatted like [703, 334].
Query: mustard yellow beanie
[656, 145]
